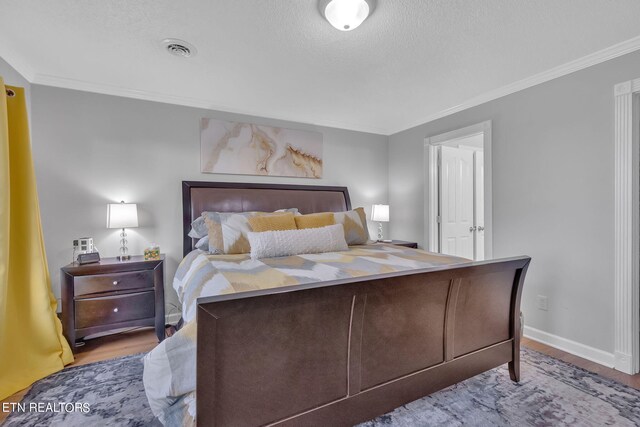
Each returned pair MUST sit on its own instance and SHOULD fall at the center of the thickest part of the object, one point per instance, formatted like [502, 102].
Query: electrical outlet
[542, 302]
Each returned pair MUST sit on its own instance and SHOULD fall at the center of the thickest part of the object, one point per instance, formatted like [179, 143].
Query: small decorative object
[249, 149]
[122, 215]
[82, 245]
[88, 258]
[152, 252]
[380, 213]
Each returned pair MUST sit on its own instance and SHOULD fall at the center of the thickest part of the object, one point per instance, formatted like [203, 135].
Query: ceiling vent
[179, 47]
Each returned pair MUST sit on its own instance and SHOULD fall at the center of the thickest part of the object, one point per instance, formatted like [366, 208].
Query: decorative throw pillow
[203, 244]
[228, 231]
[198, 228]
[355, 226]
[315, 220]
[270, 244]
[276, 221]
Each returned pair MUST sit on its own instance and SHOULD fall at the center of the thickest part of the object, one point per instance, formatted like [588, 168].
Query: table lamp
[122, 215]
[380, 213]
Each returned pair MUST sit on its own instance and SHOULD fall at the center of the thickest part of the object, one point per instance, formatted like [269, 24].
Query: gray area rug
[113, 389]
[551, 393]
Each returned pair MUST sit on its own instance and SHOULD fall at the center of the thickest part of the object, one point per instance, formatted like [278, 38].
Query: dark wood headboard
[201, 196]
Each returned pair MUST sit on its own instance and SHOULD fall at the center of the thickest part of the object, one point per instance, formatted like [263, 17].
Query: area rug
[112, 389]
[551, 393]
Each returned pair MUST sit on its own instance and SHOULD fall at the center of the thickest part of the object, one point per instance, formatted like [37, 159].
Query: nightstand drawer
[112, 294]
[114, 309]
[85, 285]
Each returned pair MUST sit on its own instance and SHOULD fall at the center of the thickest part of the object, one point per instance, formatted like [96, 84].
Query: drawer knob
[115, 310]
[115, 282]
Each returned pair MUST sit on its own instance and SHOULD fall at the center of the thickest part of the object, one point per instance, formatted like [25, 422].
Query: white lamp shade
[380, 213]
[346, 15]
[122, 215]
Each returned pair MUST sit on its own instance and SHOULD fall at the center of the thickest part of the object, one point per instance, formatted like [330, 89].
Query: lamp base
[124, 252]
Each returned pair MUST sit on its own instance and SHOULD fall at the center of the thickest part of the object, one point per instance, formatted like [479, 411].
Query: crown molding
[603, 55]
[104, 89]
[595, 58]
[17, 64]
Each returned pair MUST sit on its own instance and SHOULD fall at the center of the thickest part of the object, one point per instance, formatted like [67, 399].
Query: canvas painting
[249, 149]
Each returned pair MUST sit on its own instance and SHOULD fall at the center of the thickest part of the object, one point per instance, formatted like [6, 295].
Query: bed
[334, 347]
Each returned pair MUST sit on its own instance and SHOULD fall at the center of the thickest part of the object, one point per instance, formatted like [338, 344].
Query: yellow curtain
[31, 342]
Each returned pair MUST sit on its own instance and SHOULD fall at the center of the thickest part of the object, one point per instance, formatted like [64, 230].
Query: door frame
[627, 227]
[431, 144]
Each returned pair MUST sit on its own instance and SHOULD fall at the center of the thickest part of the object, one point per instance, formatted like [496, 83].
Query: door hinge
[438, 219]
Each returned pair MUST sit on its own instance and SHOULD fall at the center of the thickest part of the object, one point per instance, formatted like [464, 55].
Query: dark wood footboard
[342, 352]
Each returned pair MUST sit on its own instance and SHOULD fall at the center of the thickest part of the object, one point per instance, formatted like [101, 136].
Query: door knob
[472, 229]
[480, 228]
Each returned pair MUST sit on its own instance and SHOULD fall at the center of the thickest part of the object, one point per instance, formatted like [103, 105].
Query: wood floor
[630, 380]
[143, 340]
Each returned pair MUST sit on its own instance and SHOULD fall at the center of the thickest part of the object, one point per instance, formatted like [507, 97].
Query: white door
[456, 202]
[479, 204]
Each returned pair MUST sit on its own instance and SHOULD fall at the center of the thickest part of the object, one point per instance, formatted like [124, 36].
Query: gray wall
[92, 149]
[552, 193]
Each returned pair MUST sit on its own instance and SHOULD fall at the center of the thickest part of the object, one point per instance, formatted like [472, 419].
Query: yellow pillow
[279, 221]
[315, 220]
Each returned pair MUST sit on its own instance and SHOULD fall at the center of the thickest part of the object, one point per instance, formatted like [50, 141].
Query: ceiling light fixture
[179, 47]
[346, 15]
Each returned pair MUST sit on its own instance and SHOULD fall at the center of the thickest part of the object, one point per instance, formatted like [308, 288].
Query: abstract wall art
[249, 149]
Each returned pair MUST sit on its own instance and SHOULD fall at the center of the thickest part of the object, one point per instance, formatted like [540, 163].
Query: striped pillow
[355, 226]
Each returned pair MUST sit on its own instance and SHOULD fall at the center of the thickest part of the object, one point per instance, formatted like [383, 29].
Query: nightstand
[413, 245]
[112, 294]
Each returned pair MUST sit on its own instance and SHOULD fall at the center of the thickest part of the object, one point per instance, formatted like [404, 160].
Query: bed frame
[341, 352]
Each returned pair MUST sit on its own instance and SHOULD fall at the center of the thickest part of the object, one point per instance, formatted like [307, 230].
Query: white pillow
[269, 244]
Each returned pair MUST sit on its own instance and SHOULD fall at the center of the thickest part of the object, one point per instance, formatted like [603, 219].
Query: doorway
[458, 220]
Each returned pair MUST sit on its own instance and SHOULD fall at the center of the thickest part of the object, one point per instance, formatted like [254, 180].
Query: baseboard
[623, 363]
[586, 352]
[172, 318]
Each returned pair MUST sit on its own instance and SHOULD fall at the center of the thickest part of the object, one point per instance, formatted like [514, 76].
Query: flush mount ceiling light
[346, 15]
[179, 47]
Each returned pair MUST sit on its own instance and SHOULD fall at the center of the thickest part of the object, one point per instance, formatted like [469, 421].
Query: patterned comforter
[170, 368]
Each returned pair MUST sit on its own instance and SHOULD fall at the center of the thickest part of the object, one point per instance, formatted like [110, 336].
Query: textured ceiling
[279, 58]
